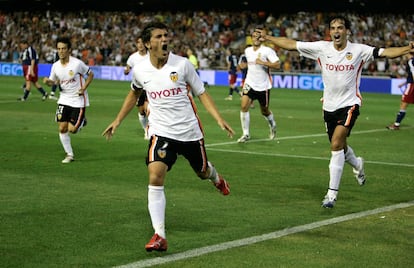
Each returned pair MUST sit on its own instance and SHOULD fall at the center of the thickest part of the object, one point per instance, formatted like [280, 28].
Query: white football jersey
[258, 76]
[169, 90]
[341, 70]
[71, 77]
[135, 58]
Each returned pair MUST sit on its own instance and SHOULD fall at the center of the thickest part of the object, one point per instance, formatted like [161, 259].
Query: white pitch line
[300, 137]
[306, 157]
[210, 146]
[260, 238]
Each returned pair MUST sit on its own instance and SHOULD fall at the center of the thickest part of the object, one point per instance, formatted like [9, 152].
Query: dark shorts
[167, 150]
[262, 97]
[345, 117]
[65, 113]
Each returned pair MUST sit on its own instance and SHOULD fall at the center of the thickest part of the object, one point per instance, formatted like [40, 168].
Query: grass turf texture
[93, 212]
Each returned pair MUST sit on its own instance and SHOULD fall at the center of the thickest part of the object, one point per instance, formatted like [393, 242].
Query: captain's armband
[378, 52]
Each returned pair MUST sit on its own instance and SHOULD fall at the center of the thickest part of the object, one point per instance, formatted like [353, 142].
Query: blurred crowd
[108, 38]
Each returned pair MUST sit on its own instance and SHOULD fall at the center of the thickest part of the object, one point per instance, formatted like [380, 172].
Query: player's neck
[159, 62]
[64, 61]
[340, 45]
[256, 47]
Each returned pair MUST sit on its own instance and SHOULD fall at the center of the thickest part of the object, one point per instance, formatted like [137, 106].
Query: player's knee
[72, 129]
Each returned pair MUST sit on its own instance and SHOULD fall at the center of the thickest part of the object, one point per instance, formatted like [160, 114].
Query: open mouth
[165, 47]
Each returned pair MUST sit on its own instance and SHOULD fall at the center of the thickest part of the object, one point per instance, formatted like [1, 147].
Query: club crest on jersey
[348, 56]
[174, 76]
[71, 73]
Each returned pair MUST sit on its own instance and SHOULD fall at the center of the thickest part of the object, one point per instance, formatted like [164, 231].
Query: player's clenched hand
[81, 92]
[47, 81]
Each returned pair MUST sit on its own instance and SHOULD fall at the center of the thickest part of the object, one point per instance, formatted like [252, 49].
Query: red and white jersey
[71, 77]
[258, 76]
[169, 91]
[341, 70]
[135, 58]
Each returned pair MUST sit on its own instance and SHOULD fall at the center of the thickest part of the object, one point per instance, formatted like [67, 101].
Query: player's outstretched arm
[129, 103]
[282, 42]
[210, 106]
[394, 52]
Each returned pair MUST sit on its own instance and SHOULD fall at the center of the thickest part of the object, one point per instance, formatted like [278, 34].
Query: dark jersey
[410, 69]
[243, 59]
[28, 55]
[233, 62]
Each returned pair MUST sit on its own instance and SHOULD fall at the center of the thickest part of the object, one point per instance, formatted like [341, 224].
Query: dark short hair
[146, 33]
[64, 40]
[346, 22]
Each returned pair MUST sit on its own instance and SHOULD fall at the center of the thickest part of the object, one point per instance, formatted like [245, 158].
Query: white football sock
[351, 158]
[336, 166]
[245, 122]
[270, 120]
[65, 140]
[213, 173]
[156, 208]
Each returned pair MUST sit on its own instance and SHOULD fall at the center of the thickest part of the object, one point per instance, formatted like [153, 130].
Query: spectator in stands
[193, 59]
[4, 54]
[199, 29]
[15, 54]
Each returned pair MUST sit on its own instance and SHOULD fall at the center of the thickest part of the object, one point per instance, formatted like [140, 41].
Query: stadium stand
[107, 37]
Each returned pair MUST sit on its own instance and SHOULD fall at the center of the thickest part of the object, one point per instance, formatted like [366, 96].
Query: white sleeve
[193, 80]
